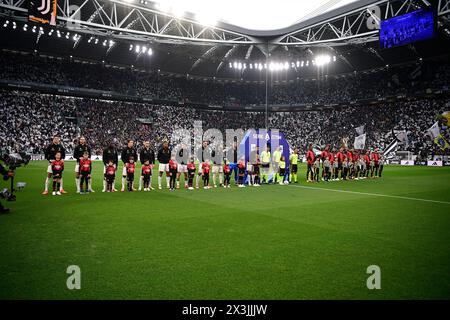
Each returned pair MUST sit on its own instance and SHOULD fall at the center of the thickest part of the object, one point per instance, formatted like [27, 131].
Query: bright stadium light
[163, 6]
[138, 49]
[265, 14]
[322, 60]
[206, 20]
[177, 11]
[131, 47]
[176, 8]
[150, 51]
[204, 15]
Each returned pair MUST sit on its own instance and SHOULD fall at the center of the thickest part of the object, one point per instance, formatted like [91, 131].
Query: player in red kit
[110, 175]
[376, 163]
[331, 158]
[57, 166]
[85, 172]
[206, 167]
[356, 165]
[50, 153]
[146, 173]
[227, 174]
[339, 157]
[127, 153]
[173, 171]
[310, 161]
[130, 168]
[191, 174]
[367, 162]
[241, 172]
[323, 156]
[350, 164]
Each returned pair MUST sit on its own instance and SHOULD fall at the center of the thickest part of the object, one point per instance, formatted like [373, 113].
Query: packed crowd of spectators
[388, 81]
[380, 122]
[28, 121]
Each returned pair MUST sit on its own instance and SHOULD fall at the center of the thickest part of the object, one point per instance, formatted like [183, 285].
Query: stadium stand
[323, 90]
[102, 121]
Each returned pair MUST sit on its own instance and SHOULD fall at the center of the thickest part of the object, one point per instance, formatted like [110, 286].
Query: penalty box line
[372, 194]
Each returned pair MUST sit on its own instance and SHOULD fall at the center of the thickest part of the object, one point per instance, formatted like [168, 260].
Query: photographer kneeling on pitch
[6, 175]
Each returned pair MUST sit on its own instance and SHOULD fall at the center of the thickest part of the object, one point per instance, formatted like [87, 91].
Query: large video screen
[411, 27]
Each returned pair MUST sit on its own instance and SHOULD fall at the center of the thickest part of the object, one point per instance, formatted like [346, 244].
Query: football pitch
[297, 241]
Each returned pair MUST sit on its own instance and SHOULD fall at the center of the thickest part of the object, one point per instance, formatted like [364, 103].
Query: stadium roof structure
[161, 35]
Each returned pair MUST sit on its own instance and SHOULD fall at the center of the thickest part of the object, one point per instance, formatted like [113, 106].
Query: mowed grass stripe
[272, 242]
[372, 194]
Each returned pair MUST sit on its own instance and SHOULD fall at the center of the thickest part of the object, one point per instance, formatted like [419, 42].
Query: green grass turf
[272, 242]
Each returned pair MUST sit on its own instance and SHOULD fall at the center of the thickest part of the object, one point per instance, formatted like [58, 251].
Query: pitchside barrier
[407, 162]
[429, 163]
[434, 163]
[37, 157]
[68, 157]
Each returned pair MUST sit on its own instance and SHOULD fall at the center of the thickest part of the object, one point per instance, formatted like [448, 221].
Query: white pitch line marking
[373, 194]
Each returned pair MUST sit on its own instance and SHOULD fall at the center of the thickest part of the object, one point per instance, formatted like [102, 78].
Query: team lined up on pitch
[344, 164]
[262, 167]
